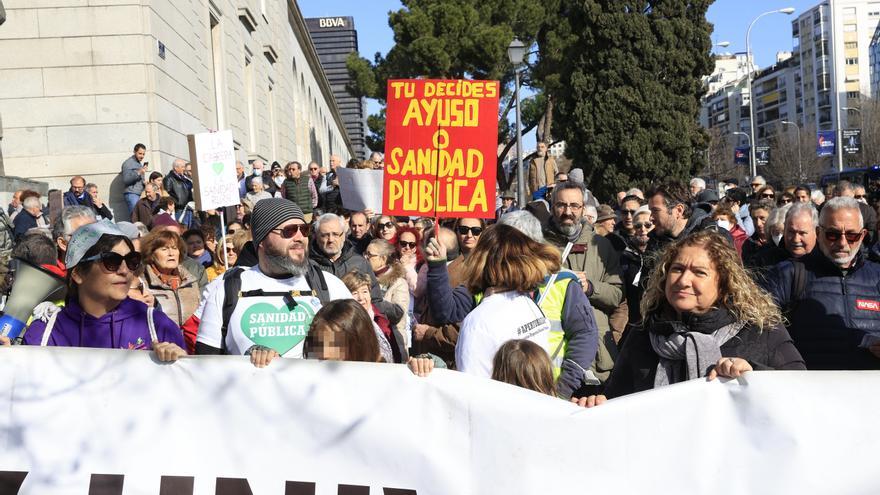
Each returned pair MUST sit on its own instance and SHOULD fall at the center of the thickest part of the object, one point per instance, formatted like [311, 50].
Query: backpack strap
[318, 284]
[47, 332]
[231, 293]
[151, 324]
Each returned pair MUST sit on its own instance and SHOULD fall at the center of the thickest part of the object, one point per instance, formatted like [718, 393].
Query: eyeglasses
[405, 244]
[369, 255]
[291, 230]
[328, 235]
[112, 261]
[646, 225]
[313, 168]
[571, 206]
[768, 195]
[628, 212]
[757, 185]
[386, 225]
[835, 235]
[463, 230]
[860, 196]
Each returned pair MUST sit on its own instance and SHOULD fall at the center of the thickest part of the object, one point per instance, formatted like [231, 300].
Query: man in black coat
[179, 187]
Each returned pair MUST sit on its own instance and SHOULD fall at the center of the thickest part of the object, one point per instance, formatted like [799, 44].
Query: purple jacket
[124, 328]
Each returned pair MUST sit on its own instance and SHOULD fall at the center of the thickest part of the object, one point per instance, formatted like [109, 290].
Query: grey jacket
[131, 176]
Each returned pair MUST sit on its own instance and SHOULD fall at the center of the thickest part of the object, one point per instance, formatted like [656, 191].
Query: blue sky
[731, 18]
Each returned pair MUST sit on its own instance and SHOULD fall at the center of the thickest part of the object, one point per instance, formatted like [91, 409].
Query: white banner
[84, 421]
[361, 189]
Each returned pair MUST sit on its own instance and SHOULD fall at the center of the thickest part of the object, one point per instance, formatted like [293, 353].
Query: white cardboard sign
[215, 183]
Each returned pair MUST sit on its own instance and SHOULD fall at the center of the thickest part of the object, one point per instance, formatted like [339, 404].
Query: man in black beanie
[265, 311]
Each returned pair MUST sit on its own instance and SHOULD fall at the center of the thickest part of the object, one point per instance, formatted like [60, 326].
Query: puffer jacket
[837, 310]
[123, 328]
[395, 290]
[178, 304]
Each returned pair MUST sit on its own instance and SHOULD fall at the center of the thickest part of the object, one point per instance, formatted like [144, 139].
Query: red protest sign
[441, 137]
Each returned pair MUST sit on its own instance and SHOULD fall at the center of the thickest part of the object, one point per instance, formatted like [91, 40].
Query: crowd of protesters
[563, 295]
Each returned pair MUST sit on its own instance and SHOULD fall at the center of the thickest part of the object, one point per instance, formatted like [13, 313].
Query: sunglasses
[112, 261]
[646, 225]
[291, 230]
[835, 235]
[860, 196]
[313, 168]
[405, 244]
[628, 212]
[769, 195]
[386, 225]
[232, 231]
[787, 201]
[463, 230]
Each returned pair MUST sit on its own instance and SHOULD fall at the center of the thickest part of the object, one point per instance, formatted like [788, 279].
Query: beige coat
[178, 305]
[596, 257]
[550, 171]
[395, 290]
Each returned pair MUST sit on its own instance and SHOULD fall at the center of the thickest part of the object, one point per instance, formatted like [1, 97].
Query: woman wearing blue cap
[101, 263]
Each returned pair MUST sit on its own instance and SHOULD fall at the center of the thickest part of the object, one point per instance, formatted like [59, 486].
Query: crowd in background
[563, 295]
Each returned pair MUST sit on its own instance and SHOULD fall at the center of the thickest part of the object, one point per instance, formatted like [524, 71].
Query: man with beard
[831, 296]
[594, 261]
[673, 216]
[332, 252]
[267, 309]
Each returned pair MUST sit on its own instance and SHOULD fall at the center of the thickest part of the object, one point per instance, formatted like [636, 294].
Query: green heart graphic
[278, 328]
[218, 167]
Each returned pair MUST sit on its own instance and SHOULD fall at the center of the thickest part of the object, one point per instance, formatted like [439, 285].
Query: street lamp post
[800, 164]
[753, 165]
[516, 52]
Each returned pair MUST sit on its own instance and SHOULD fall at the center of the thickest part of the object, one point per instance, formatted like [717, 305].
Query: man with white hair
[869, 215]
[179, 187]
[798, 237]
[330, 249]
[831, 296]
[31, 217]
[71, 218]
[697, 185]
[757, 183]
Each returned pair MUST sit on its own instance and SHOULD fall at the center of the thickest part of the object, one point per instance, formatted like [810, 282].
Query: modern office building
[831, 51]
[727, 111]
[776, 97]
[335, 38]
[82, 82]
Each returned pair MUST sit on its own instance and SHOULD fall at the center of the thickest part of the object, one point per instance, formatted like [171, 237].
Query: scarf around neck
[693, 340]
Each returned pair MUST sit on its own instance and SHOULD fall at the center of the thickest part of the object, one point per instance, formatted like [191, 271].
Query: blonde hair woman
[704, 316]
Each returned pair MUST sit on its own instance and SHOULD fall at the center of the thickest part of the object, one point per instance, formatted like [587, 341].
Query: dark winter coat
[637, 362]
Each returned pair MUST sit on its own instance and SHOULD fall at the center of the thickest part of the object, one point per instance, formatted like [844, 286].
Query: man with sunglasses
[269, 312]
[869, 215]
[831, 296]
[594, 261]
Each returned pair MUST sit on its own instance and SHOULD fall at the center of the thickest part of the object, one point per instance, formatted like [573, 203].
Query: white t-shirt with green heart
[264, 320]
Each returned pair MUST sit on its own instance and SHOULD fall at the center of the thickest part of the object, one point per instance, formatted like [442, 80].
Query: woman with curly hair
[704, 316]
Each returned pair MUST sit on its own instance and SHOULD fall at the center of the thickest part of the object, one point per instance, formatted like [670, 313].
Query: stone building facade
[82, 81]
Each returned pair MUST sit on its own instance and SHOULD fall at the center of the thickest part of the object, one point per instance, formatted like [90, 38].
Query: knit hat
[85, 237]
[164, 220]
[576, 175]
[604, 212]
[269, 213]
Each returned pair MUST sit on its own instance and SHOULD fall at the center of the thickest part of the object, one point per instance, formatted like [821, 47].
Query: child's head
[525, 364]
[342, 331]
